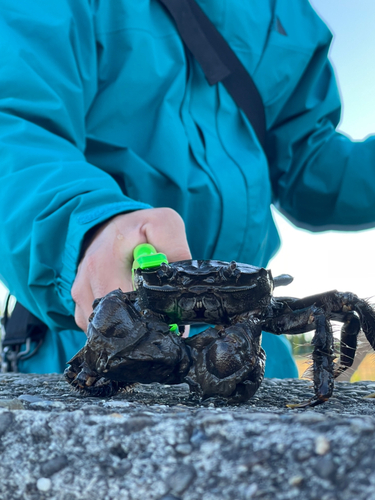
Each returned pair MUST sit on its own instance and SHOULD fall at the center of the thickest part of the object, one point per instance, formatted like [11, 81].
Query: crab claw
[126, 346]
[87, 382]
[228, 363]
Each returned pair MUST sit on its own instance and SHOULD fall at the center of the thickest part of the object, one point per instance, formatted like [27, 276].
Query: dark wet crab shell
[199, 291]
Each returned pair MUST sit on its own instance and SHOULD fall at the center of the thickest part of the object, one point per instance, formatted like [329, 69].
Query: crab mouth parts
[199, 306]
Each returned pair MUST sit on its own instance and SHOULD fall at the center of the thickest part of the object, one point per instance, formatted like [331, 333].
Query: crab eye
[165, 270]
[229, 269]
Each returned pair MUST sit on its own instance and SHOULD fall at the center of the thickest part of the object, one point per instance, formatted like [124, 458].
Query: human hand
[107, 262]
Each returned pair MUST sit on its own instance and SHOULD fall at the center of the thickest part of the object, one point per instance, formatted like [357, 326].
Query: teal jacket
[103, 111]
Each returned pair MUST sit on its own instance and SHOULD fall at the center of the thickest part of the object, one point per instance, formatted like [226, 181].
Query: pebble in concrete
[44, 484]
[321, 445]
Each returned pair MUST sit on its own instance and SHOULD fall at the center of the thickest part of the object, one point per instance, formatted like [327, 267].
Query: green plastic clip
[146, 257]
[174, 329]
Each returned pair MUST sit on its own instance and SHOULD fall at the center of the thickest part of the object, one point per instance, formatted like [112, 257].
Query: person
[110, 136]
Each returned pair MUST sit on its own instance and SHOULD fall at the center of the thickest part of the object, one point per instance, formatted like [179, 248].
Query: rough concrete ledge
[158, 443]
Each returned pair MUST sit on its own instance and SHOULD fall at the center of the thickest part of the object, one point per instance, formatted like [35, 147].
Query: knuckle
[169, 216]
[75, 292]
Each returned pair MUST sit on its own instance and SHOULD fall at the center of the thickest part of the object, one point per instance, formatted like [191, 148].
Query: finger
[95, 278]
[103, 268]
[106, 278]
[166, 231]
[83, 297]
[81, 318]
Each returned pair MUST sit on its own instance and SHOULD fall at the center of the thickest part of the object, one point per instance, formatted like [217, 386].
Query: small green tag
[146, 257]
[174, 329]
[151, 261]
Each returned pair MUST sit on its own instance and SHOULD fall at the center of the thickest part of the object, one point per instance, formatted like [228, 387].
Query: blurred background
[332, 260]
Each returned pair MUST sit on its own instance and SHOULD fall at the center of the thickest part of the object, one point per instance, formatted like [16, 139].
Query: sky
[333, 260]
[345, 261]
[352, 54]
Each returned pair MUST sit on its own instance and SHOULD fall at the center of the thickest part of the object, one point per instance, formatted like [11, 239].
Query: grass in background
[365, 371]
[302, 349]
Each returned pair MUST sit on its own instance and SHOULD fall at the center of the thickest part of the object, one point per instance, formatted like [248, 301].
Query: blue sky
[352, 53]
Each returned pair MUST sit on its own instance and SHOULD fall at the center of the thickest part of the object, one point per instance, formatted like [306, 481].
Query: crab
[130, 339]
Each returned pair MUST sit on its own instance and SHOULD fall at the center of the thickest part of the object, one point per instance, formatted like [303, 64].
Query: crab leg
[353, 312]
[366, 314]
[348, 341]
[294, 322]
[367, 317]
[322, 358]
[342, 307]
[337, 305]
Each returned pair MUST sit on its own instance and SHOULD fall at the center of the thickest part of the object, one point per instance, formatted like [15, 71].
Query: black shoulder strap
[218, 61]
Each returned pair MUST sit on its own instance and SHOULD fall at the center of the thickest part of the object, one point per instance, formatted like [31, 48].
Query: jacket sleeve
[50, 195]
[321, 179]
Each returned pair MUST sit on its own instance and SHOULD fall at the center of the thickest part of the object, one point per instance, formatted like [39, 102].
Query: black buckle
[11, 355]
[19, 329]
